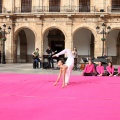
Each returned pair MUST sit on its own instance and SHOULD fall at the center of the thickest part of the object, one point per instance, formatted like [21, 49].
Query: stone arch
[54, 37]
[80, 27]
[23, 27]
[87, 45]
[54, 27]
[118, 49]
[24, 44]
[113, 45]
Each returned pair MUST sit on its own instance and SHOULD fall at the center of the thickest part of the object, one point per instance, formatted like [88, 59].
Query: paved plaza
[27, 68]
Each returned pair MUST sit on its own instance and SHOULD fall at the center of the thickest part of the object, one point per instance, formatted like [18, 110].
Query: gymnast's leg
[68, 74]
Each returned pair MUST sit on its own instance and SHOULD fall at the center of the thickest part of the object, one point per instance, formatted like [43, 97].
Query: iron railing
[23, 9]
[114, 8]
[54, 9]
[3, 10]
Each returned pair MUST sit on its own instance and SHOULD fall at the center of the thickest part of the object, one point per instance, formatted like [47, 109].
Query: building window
[54, 5]
[115, 5]
[84, 5]
[26, 5]
[0, 6]
[115, 2]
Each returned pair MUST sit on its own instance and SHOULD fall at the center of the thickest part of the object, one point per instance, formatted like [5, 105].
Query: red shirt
[119, 69]
[100, 69]
[110, 69]
[89, 68]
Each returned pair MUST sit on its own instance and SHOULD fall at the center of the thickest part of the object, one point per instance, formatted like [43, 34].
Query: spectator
[89, 69]
[119, 71]
[50, 59]
[100, 69]
[118, 74]
[110, 69]
[75, 58]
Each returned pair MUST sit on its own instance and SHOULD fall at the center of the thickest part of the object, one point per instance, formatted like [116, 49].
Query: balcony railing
[114, 8]
[3, 10]
[38, 9]
[23, 9]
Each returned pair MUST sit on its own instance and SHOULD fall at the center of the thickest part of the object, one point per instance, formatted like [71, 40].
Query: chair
[84, 60]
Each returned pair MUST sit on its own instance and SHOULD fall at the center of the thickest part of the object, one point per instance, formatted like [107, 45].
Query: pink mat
[33, 97]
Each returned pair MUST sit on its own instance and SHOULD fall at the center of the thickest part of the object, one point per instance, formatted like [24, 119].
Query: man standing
[50, 59]
[0, 56]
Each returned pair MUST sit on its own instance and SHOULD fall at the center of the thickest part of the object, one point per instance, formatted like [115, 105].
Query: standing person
[110, 69]
[89, 69]
[0, 56]
[50, 59]
[76, 57]
[66, 68]
[36, 58]
[104, 55]
[100, 69]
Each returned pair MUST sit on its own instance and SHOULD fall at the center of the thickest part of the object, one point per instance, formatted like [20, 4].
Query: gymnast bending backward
[66, 68]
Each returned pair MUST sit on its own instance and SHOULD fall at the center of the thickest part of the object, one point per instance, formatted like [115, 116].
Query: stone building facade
[60, 24]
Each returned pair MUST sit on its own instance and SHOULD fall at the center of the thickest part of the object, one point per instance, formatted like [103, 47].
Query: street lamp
[3, 31]
[103, 32]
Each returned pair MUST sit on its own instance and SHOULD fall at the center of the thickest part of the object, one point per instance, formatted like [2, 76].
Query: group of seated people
[91, 70]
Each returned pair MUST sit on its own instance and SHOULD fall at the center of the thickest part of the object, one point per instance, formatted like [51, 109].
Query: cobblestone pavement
[27, 68]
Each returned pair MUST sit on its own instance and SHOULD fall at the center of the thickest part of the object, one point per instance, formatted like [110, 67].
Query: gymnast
[66, 68]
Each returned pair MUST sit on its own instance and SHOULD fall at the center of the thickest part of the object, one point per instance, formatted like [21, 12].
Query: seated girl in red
[118, 74]
[89, 69]
[110, 69]
[119, 71]
[100, 69]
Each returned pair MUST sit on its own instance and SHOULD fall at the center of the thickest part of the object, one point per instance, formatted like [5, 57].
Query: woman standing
[76, 57]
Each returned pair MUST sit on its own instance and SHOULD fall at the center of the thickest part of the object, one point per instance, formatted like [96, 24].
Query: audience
[119, 71]
[118, 74]
[100, 69]
[110, 69]
[89, 69]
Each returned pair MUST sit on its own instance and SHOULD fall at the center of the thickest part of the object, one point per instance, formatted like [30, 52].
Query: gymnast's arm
[61, 53]
[58, 78]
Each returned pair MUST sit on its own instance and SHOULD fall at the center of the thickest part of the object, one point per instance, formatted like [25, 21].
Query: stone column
[69, 38]
[39, 37]
[98, 45]
[9, 42]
